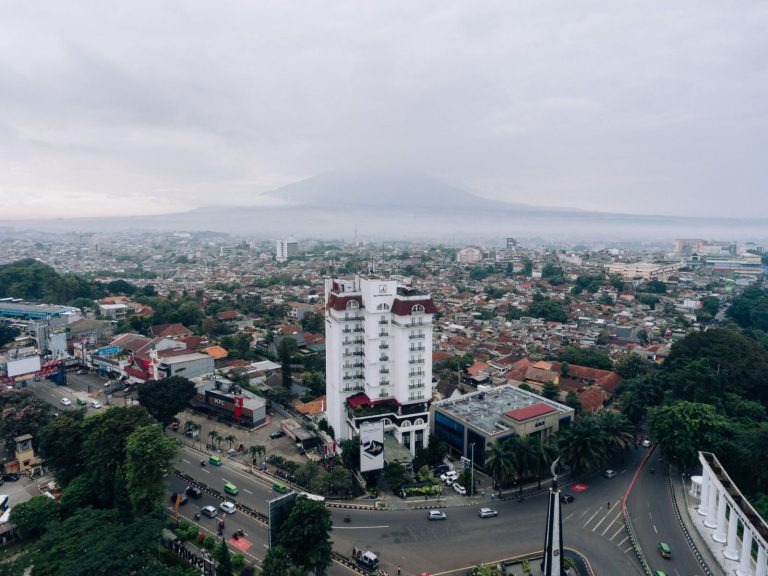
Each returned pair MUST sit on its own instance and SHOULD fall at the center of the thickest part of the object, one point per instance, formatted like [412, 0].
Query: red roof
[529, 412]
[340, 302]
[359, 400]
[405, 307]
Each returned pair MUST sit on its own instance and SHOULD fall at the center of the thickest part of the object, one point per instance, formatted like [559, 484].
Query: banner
[238, 408]
[371, 446]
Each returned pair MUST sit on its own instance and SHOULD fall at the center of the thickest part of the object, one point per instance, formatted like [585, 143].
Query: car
[194, 491]
[449, 477]
[460, 489]
[488, 513]
[277, 434]
[66, 402]
[566, 498]
[80, 402]
[11, 477]
[228, 507]
[610, 473]
[646, 443]
[659, 573]
[664, 550]
[232, 452]
[436, 515]
[95, 404]
[209, 511]
[441, 469]
[81, 372]
[183, 501]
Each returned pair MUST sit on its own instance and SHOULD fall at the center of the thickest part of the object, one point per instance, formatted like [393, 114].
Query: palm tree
[231, 439]
[583, 444]
[255, 450]
[525, 450]
[213, 435]
[619, 431]
[546, 453]
[499, 463]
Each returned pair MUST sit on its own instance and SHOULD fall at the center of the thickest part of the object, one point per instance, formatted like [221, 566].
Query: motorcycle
[197, 516]
[347, 519]
[202, 463]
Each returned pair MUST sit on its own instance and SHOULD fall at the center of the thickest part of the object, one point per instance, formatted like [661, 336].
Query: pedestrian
[398, 571]
[608, 505]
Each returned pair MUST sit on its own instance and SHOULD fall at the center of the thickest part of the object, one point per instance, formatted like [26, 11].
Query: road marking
[246, 490]
[590, 518]
[654, 529]
[204, 470]
[186, 461]
[628, 550]
[601, 521]
[357, 527]
[568, 517]
[617, 533]
[585, 511]
[622, 542]
[225, 480]
[611, 524]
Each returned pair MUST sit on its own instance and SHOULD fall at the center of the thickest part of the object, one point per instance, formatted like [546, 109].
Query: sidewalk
[698, 533]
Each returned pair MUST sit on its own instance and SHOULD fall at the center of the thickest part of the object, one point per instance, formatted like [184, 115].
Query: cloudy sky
[158, 106]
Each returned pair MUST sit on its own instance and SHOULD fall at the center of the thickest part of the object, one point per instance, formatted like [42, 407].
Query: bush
[238, 561]
[209, 542]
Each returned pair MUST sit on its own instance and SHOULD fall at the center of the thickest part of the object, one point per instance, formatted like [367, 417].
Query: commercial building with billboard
[223, 397]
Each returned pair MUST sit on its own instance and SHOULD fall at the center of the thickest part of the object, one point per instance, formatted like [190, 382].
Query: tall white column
[704, 499]
[732, 551]
[762, 562]
[722, 505]
[714, 489]
[745, 566]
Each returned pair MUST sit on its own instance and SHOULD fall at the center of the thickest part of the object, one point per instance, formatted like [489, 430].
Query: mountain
[405, 206]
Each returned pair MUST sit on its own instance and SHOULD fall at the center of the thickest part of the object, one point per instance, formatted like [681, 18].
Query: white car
[436, 515]
[209, 511]
[228, 507]
[460, 489]
[449, 477]
[488, 513]
[646, 443]
[66, 402]
[609, 473]
[95, 404]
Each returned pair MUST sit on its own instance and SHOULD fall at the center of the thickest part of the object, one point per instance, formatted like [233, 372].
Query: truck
[366, 559]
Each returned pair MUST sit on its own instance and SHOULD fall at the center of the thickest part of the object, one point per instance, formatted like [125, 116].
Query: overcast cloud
[148, 107]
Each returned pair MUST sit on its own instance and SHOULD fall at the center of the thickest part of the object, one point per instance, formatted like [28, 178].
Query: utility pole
[472, 474]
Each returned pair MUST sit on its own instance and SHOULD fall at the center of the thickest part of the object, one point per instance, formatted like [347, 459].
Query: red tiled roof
[529, 412]
[227, 315]
[339, 303]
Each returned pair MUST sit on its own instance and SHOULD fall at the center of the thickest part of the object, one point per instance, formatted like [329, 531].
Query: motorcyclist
[202, 462]
[347, 518]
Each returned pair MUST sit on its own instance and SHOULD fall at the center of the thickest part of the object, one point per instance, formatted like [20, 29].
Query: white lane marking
[568, 517]
[186, 461]
[654, 529]
[206, 471]
[617, 532]
[622, 542]
[601, 521]
[590, 518]
[628, 550]
[611, 524]
[246, 490]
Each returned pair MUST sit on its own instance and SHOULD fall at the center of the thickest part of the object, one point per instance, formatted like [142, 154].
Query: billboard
[371, 446]
[23, 366]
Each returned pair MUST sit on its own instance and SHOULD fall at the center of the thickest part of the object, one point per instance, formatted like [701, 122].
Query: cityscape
[378, 289]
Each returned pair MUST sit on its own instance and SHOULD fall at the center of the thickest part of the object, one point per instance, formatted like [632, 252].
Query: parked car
[488, 513]
[566, 498]
[610, 473]
[66, 402]
[646, 443]
[81, 372]
[95, 404]
[228, 507]
[80, 402]
[436, 515]
[459, 489]
[441, 469]
[194, 491]
[184, 498]
[277, 434]
[209, 511]
[449, 477]
[232, 452]
[11, 477]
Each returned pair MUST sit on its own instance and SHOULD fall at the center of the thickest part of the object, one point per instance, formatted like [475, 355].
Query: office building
[286, 249]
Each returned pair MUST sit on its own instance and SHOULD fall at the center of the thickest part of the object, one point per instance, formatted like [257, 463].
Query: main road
[406, 538]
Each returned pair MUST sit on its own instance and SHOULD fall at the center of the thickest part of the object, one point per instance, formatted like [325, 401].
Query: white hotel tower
[378, 336]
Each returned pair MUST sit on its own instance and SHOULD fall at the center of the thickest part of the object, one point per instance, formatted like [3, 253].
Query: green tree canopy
[548, 309]
[165, 398]
[632, 366]
[22, 413]
[33, 516]
[684, 428]
[306, 536]
[147, 454]
[61, 445]
[750, 309]
[586, 357]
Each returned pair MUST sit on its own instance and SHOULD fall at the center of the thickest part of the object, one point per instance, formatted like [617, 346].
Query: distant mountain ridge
[408, 206]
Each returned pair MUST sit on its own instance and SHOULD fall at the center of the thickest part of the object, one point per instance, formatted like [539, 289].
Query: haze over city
[638, 108]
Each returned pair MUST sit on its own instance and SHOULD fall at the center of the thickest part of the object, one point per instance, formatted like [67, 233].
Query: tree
[313, 323]
[147, 455]
[350, 453]
[256, 451]
[632, 366]
[22, 413]
[224, 559]
[339, 481]
[306, 535]
[683, 428]
[551, 391]
[33, 516]
[619, 431]
[499, 463]
[572, 400]
[585, 357]
[230, 439]
[277, 562]
[61, 445]
[394, 475]
[7, 334]
[583, 444]
[548, 309]
[165, 398]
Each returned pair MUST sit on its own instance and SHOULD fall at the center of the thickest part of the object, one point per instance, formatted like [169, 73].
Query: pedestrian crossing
[605, 522]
